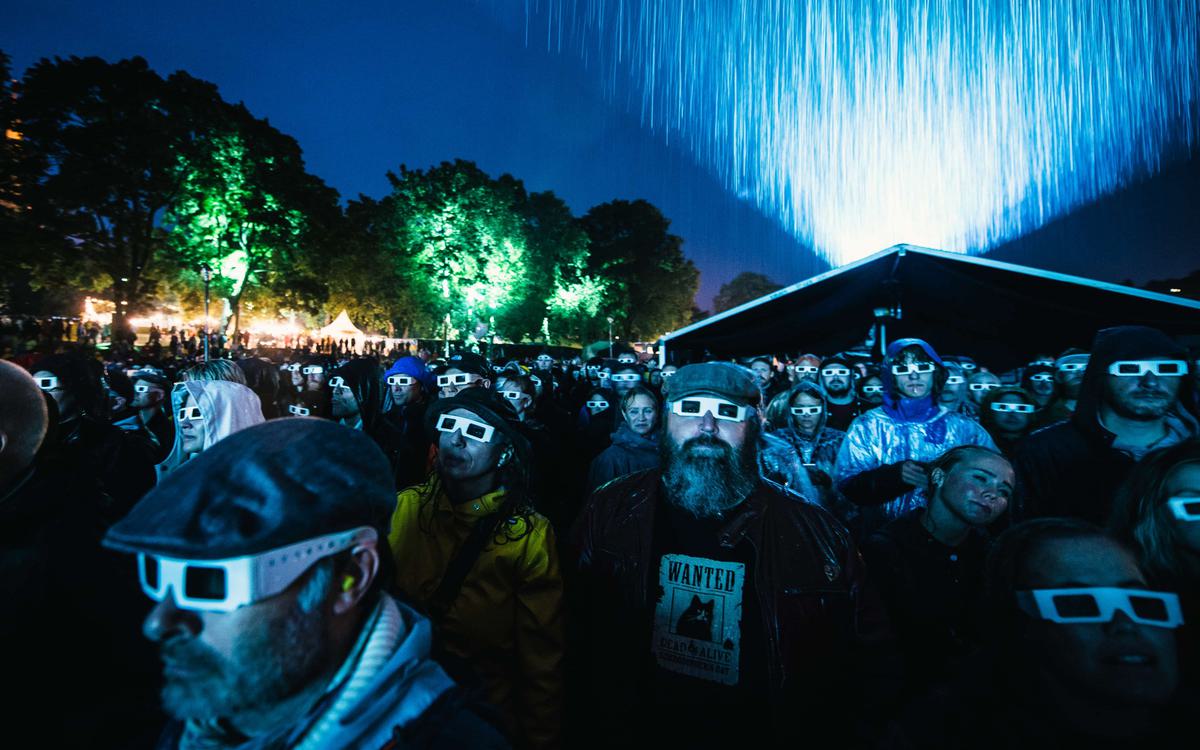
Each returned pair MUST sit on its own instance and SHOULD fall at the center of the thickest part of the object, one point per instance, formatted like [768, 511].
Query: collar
[484, 505]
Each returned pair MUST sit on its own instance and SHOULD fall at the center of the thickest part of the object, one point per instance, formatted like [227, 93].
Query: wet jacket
[826, 638]
[401, 435]
[867, 470]
[389, 693]
[628, 453]
[821, 450]
[1071, 468]
[507, 620]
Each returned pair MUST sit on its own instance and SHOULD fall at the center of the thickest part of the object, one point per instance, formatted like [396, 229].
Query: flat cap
[726, 379]
[264, 487]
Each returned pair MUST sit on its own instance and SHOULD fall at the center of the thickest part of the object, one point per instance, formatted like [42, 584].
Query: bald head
[23, 420]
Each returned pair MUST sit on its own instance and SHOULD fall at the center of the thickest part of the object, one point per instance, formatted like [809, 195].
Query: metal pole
[206, 272]
[610, 341]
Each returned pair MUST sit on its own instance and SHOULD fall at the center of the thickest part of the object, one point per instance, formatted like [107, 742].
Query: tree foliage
[651, 285]
[741, 289]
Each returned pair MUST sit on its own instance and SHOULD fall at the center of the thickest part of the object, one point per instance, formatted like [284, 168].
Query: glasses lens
[1076, 605]
[689, 407]
[149, 570]
[1192, 508]
[476, 431]
[1168, 368]
[446, 423]
[1128, 368]
[204, 583]
[729, 411]
[1149, 608]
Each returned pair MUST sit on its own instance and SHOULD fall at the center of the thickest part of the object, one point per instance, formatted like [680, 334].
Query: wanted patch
[697, 620]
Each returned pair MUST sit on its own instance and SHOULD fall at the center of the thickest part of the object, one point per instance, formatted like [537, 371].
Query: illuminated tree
[247, 207]
[457, 237]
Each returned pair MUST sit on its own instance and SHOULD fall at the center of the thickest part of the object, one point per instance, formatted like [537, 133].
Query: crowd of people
[346, 549]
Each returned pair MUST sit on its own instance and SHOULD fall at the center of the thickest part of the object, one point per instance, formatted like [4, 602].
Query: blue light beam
[858, 125]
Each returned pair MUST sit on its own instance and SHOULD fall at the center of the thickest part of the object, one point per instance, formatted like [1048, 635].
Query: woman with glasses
[1008, 413]
[207, 411]
[634, 443]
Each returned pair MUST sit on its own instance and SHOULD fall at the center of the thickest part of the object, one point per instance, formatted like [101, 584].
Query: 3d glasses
[478, 431]
[1185, 508]
[983, 386]
[668, 373]
[603, 375]
[807, 411]
[1072, 366]
[955, 380]
[337, 381]
[299, 411]
[401, 380]
[294, 367]
[627, 359]
[312, 370]
[191, 413]
[1135, 368]
[804, 369]
[47, 384]
[835, 372]
[597, 404]
[1003, 407]
[544, 358]
[872, 389]
[698, 406]
[225, 585]
[1040, 377]
[461, 378]
[142, 388]
[513, 395]
[920, 368]
[968, 366]
[625, 377]
[1042, 363]
[1099, 604]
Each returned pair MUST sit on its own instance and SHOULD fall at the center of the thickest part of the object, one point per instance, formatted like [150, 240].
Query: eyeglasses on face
[478, 431]
[299, 411]
[191, 413]
[983, 386]
[48, 384]
[1041, 377]
[835, 372]
[513, 395]
[312, 370]
[668, 373]
[1136, 368]
[461, 378]
[625, 378]
[1185, 508]
[809, 411]
[968, 366]
[337, 381]
[955, 380]
[1072, 366]
[698, 406]
[1002, 407]
[1100, 604]
[400, 380]
[597, 404]
[920, 368]
[805, 369]
[1042, 363]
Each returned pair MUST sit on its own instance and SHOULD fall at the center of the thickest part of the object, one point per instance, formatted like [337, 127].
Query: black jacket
[827, 642]
[628, 453]
[401, 434]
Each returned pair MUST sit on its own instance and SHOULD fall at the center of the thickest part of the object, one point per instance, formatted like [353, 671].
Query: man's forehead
[913, 354]
[1085, 561]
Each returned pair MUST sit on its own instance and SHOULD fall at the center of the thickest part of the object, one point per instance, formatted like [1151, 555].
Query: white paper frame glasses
[1136, 368]
[698, 406]
[225, 585]
[1185, 508]
[478, 431]
[1077, 606]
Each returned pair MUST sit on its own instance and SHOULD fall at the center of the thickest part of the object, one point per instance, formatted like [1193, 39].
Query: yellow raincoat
[507, 620]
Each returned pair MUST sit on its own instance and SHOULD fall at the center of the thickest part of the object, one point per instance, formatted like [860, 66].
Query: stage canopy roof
[999, 313]
[341, 328]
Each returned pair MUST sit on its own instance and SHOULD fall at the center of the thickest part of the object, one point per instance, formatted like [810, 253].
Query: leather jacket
[826, 636]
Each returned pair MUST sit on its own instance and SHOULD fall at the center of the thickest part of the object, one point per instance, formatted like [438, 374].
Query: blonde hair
[1141, 517]
[216, 369]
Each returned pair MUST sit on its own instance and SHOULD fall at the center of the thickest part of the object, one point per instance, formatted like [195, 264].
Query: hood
[813, 389]
[627, 438]
[227, 407]
[909, 409]
[1110, 345]
[365, 382]
[414, 367]
[985, 406]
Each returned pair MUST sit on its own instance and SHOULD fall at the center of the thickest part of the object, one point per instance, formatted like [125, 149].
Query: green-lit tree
[103, 141]
[651, 285]
[457, 237]
[741, 289]
[247, 207]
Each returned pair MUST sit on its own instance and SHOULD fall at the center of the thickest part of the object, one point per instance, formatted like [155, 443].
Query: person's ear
[356, 578]
[937, 477]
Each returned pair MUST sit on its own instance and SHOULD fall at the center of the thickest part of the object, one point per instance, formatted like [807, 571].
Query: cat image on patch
[696, 620]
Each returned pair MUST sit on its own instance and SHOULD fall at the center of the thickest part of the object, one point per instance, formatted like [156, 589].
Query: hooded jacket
[821, 450]
[389, 693]
[1071, 468]
[226, 406]
[868, 466]
[401, 429]
[628, 453]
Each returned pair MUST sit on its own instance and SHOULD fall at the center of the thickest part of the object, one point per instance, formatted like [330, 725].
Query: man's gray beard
[271, 662]
[707, 486]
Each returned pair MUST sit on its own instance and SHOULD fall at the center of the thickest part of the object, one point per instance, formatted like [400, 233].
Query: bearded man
[708, 600]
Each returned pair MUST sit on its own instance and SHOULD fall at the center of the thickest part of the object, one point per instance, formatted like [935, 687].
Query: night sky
[367, 86]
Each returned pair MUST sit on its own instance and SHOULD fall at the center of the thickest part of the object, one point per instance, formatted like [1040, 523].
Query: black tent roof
[999, 313]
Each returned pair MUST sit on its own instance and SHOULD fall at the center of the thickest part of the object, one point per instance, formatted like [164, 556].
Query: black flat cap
[264, 487]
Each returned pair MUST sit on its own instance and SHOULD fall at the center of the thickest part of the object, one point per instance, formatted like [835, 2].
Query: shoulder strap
[456, 572]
